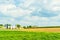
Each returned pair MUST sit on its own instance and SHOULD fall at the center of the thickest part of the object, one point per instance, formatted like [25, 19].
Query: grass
[28, 34]
[19, 35]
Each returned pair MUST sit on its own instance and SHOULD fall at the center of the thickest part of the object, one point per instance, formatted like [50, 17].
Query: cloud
[30, 12]
[12, 10]
[6, 1]
[4, 7]
[18, 12]
[34, 20]
[5, 20]
[53, 5]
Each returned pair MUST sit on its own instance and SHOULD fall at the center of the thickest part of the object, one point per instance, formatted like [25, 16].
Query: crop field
[34, 29]
[25, 35]
[42, 30]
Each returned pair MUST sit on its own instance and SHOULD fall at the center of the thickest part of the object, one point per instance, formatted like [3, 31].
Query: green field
[19, 35]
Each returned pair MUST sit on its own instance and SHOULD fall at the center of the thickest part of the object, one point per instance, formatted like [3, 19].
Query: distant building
[8, 26]
[12, 27]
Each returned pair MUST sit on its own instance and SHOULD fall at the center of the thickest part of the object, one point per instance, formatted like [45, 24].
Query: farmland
[33, 29]
[41, 33]
[30, 34]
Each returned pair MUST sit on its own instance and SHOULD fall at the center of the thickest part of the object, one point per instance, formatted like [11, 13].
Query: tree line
[8, 26]
[18, 26]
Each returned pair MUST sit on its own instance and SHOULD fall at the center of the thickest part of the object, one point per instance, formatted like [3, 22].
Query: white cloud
[34, 20]
[6, 1]
[4, 8]
[12, 10]
[55, 2]
[18, 12]
[53, 5]
[7, 20]
[26, 8]
[27, 3]
[55, 8]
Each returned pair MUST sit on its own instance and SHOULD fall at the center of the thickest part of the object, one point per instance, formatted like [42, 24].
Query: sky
[30, 12]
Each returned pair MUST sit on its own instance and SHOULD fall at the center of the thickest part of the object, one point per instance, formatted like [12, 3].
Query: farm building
[8, 26]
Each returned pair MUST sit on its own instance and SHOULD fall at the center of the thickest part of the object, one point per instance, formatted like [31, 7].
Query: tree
[18, 25]
[24, 27]
[29, 26]
[7, 26]
[1, 25]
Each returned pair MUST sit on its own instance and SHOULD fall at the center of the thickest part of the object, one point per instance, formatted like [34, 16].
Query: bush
[18, 25]
[1, 25]
[24, 27]
[29, 26]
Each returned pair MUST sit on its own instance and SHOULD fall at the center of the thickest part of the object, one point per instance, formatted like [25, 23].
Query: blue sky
[30, 12]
